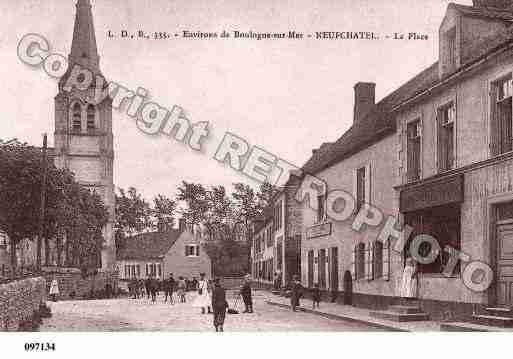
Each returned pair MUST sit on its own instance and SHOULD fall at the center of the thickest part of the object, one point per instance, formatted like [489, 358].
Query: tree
[20, 188]
[133, 214]
[163, 212]
[71, 210]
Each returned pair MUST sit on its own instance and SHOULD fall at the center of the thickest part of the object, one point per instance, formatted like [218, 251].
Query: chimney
[364, 99]
[181, 224]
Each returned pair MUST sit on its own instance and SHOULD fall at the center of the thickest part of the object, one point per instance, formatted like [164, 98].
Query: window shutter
[353, 264]
[386, 260]
[494, 129]
[368, 183]
[371, 261]
[147, 272]
[197, 250]
[366, 261]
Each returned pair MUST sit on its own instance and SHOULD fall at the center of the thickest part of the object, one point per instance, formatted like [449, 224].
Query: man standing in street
[219, 305]
[245, 292]
[297, 293]
[169, 287]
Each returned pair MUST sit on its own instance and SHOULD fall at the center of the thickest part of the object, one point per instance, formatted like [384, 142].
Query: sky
[285, 96]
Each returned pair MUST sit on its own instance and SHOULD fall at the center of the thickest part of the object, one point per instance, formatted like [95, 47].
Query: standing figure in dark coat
[169, 287]
[219, 305]
[316, 296]
[245, 292]
[154, 284]
[297, 293]
[147, 284]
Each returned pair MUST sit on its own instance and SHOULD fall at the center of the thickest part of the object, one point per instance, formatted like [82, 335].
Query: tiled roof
[380, 122]
[153, 245]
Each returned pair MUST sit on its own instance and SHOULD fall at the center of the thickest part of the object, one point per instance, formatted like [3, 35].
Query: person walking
[147, 285]
[169, 286]
[153, 289]
[203, 299]
[297, 293]
[54, 289]
[182, 289]
[245, 292]
[219, 305]
[316, 296]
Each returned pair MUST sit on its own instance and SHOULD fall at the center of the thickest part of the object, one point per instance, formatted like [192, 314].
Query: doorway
[348, 288]
[504, 270]
[334, 274]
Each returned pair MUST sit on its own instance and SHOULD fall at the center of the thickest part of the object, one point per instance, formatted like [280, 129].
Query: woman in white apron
[203, 299]
[54, 289]
[409, 284]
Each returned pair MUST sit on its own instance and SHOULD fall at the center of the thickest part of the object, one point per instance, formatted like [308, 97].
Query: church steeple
[83, 48]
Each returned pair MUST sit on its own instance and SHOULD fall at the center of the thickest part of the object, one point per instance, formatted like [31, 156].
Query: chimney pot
[364, 99]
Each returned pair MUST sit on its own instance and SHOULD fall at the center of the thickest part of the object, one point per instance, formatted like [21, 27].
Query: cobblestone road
[141, 315]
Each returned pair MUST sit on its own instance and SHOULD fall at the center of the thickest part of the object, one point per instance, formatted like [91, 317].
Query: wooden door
[310, 268]
[322, 268]
[504, 271]
[334, 269]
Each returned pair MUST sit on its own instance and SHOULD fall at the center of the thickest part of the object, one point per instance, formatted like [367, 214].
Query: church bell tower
[83, 129]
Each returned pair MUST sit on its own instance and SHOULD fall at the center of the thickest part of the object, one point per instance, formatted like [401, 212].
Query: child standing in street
[316, 296]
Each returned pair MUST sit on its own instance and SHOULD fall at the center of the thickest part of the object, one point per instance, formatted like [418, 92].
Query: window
[159, 270]
[377, 258]
[501, 116]
[278, 212]
[269, 237]
[192, 250]
[320, 207]
[360, 188]
[77, 117]
[413, 142]
[446, 116]
[360, 261]
[90, 117]
[321, 268]
[3, 239]
[443, 224]
[451, 49]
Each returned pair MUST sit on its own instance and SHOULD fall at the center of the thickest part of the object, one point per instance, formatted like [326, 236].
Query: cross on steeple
[83, 48]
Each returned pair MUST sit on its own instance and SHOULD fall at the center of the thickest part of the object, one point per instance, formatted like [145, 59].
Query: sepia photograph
[326, 167]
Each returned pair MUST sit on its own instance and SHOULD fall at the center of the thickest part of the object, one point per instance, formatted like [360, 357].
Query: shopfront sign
[432, 194]
[319, 230]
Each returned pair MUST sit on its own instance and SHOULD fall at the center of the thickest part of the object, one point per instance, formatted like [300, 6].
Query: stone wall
[19, 301]
[72, 284]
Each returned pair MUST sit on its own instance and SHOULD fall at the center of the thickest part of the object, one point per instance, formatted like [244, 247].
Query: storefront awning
[433, 194]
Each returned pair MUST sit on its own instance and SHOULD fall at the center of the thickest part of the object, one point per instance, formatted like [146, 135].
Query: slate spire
[83, 46]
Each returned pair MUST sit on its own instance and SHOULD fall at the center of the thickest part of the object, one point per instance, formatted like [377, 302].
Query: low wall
[74, 285]
[20, 301]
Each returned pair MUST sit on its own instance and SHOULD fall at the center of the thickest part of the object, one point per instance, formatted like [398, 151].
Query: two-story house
[456, 161]
[263, 250]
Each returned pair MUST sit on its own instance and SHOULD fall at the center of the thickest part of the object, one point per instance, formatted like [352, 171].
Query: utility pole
[43, 200]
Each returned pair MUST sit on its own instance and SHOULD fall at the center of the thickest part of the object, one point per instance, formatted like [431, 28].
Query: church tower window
[91, 117]
[77, 117]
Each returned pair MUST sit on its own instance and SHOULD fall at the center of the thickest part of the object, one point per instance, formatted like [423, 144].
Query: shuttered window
[413, 143]
[360, 188]
[360, 261]
[446, 117]
[377, 259]
[501, 125]
[321, 200]
[386, 260]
